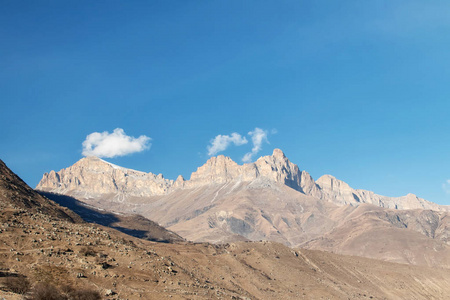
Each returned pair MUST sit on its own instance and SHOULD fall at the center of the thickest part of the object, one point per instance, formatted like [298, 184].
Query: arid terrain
[269, 200]
[42, 242]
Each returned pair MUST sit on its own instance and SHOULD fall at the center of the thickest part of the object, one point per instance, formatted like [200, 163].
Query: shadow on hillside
[93, 215]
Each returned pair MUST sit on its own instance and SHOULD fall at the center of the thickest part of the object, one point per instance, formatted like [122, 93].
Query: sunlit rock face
[91, 177]
[270, 199]
[341, 193]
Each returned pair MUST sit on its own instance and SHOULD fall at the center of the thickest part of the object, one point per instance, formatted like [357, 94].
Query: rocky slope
[132, 224]
[16, 194]
[405, 236]
[42, 247]
[270, 199]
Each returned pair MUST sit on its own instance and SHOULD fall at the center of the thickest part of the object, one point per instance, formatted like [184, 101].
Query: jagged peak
[326, 177]
[96, 162]
[278, 153]
[91, 159]
[216, 167]
[411, 196]
[219, 158]
[88, 159]
[275, 167]
[329, 182]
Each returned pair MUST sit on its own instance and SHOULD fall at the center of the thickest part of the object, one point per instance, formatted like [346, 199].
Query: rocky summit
[270, 199]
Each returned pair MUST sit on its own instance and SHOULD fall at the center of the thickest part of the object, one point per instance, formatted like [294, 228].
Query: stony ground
[41, 242]
[102, 259]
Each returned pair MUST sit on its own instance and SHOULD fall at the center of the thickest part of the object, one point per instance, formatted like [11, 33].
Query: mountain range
[92, 177]
[48, 252]
[270, 199]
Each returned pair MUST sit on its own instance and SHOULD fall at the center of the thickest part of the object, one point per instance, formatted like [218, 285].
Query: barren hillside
[271, 199]
[43, 248]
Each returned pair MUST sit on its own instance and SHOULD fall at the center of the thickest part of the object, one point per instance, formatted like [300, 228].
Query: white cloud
[258, 137]
[247, 157]
[114, 144]
[446, 186]
[222, 142]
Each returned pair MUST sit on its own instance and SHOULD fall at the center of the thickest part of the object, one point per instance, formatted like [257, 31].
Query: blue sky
[356, 89]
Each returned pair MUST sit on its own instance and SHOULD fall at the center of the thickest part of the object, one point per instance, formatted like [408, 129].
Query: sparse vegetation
[88, 251]
[75, 294]
[18, 284]
[46, 291]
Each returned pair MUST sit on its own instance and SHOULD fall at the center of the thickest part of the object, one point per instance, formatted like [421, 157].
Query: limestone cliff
[341, 193]
[275, 167]
[91, 177]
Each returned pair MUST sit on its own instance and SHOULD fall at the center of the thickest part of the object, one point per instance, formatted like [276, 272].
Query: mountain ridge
[270, 199]
[94, 174]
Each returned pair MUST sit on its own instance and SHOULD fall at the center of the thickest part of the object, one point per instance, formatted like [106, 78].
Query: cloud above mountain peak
[259, 136]
[117, 143]
[221, 142]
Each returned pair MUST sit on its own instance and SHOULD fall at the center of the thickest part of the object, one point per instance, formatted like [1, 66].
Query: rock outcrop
[91, 177]
[341, 193]
[276, 168]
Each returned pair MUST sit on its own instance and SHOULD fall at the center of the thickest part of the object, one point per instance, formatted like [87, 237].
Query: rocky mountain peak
[274, 167]
[217, 169]
[279, 169]
[331, 183]
[93, 176]
[278, 153]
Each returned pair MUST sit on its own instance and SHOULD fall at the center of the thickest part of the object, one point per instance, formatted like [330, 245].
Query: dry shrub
[88, 251]
[18, 285]
[84, 295]
[46, 291]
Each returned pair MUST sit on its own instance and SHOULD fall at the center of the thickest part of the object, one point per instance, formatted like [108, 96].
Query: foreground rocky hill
[132, 224]
[16, 194]
[270, 199]
[38, 246]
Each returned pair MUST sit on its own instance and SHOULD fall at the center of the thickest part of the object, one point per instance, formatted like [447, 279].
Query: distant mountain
[92, 177]
[270, 199]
